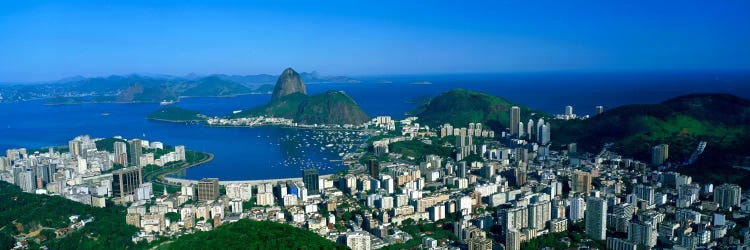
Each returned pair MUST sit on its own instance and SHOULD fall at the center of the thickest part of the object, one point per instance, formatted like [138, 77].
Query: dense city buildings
[490, 190]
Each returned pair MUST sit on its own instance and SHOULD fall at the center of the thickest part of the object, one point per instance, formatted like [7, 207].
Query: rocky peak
[289, 82]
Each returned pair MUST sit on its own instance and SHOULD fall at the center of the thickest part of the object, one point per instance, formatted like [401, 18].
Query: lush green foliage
[248, 234]
[108, 144]
[23, 213]
[175, 114]
[332, 107]
[719, 119]
[418, 149]
[459, 107]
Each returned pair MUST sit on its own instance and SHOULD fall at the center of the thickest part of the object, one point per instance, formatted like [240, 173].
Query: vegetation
[29, 214]
[459, 107]
[331, 107]
[108, 144]
[176, 114]
[248, 234]
[418, 149]
[721, 120]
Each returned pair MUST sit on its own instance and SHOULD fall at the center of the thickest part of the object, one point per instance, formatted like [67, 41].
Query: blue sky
[46, 40]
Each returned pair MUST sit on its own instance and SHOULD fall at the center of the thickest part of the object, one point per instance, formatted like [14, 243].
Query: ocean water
[270, 152]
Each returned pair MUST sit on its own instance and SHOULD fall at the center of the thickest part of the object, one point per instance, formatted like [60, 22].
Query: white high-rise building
[179, 150]
[577, 209]
[596, 218]
[358, 241]
[513, 239]
[540, 214]
[121, 153]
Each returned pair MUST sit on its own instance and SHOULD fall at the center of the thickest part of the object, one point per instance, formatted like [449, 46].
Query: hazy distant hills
[289, 100]
[722, 120]
[148, 88]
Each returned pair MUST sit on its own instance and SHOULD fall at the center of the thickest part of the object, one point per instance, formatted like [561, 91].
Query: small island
[176, 114]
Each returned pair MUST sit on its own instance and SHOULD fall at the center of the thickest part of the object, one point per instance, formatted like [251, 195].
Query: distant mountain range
[289, 100]
[722, 120]
[148, 88]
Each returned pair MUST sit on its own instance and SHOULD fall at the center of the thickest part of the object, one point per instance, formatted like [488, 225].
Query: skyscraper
[645, 193]
[74, 146]
[642, 234]
[121, 153]
[544, 138]
[539, 214]
[208, 189]
[310, 178]
[659, 154]
[126, 181]
[581, 182]
[538, 133]
[515, 118]
[374, 168]
[596, 218]
[727, 195]
[569, 111]
[577, 209]
[599, 110]
[529, 129]
[513, 239]
[136, 150]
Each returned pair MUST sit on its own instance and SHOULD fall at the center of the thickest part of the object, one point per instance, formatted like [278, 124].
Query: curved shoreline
[162, 175]
[174, 181]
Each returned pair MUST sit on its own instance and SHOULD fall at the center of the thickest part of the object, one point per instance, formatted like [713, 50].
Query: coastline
[162, 177]
[181, 181]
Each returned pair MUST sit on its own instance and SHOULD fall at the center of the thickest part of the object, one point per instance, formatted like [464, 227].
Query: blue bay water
[269, 152]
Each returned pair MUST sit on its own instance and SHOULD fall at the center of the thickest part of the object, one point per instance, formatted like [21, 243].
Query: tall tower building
[569, 111]
[642, 234]
[599, 110]
[645, 193]
[596, 218]
[577, 209]
[136, 150]
[513, 239]
[659, 154]
[727, 195]
[121, 153]
[208, 189]
[544, 138]
[374, 168]
[310, 178]
[515, 118]
[530, 129]
[539, 214]
[581, 182]
[538, 133]
[74, 146]
[126, 181]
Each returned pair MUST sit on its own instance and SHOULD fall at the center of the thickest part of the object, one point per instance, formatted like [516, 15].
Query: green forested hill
[248, 234]
[722, 120]
[459, 107]
[38, 216]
